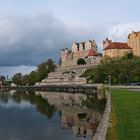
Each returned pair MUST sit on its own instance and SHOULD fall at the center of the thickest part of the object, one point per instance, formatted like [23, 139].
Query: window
[77, 47]
[83, 47]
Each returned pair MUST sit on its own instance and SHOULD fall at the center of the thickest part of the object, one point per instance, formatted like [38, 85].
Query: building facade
[115, 49]
[86, 50]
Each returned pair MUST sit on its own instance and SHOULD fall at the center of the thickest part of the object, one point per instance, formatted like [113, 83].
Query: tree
[50, 65]
[35, 76]
[2, 80]
[121, 70]
[32, 79]
[81, 61]
[17, 79]
[25, 79]
[128, 56]
[42, 72]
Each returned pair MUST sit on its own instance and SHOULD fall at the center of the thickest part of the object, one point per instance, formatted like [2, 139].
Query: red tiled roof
[117, 45]
[91, 53]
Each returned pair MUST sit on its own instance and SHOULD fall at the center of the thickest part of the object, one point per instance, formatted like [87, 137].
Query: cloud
[31, 39]
[119, 32]
[11, 70]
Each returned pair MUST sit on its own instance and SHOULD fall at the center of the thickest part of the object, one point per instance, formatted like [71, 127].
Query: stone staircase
[64, 77]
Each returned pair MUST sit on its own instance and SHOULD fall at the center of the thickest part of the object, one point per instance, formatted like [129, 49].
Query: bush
[81, 61]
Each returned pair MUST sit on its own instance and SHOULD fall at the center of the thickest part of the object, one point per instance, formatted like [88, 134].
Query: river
[48, 116]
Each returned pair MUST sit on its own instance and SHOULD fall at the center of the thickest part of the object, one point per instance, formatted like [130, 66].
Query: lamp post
[109, 80]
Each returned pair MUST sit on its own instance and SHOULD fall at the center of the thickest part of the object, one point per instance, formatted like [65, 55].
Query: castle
[70, 73]
[118, 49]
[89, 52]
[85, 50]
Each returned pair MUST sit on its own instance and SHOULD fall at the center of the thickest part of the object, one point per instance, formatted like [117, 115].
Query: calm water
[48, 116]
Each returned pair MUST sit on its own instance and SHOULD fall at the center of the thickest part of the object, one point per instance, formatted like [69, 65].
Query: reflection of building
[70, 105]
[86, 50]
[116, 49]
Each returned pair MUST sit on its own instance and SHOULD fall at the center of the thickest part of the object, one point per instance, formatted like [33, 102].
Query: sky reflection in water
[52, 116]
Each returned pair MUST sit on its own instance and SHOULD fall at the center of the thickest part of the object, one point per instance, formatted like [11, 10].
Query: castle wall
[134, 42]
[74, 47]
[68, 63]
[78, 50]
[116, 52]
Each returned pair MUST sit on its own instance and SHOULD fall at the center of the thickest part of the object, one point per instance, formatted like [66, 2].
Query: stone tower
[106, 42]
[134, 42]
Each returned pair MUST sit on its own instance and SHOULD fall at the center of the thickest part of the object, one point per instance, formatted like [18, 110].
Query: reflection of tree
[44, 107]
[4, 97]
[41, 104]
[93, 103]
[16, 98]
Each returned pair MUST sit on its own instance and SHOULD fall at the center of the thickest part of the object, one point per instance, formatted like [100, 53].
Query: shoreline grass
[125, 116]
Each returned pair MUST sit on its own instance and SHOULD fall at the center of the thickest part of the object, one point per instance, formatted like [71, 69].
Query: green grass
[126, 106]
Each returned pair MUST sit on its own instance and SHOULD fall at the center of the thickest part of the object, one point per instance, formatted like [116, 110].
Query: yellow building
[134, 42]
[115, 49]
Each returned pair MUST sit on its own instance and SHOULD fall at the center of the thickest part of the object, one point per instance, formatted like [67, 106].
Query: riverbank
[125, 122]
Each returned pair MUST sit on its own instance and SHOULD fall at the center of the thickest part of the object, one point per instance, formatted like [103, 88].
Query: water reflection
[78, 113]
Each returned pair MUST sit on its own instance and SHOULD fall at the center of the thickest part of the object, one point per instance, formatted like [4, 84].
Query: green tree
[121, 70]
[17, 79]
[128, 56]
[42, 72]
[50, 65]
[81, 61]
[35, 76]
[25, 79]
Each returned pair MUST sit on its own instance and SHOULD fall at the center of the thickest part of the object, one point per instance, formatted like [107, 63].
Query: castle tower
[78, 50]
[134, 42]
[106, 42]
[64, 54]
[75, 47]
[94, 46]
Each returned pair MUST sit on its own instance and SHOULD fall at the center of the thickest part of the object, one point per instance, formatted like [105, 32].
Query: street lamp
[109, 80]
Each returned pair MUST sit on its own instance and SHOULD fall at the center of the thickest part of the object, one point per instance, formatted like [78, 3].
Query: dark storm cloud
[31, 39]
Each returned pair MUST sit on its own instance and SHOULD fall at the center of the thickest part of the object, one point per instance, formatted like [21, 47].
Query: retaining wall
[104, 122]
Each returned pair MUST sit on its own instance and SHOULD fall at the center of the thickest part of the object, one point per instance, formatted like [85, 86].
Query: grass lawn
[125, 116]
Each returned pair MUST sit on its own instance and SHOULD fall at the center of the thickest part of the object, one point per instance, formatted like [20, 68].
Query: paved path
[137, 90]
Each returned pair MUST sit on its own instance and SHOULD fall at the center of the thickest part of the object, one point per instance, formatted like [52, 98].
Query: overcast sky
[31, 31]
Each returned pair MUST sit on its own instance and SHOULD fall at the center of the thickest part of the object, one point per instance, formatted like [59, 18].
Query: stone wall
[104, 122]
